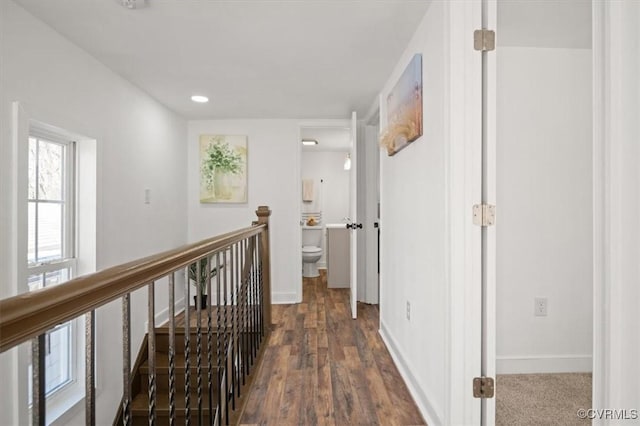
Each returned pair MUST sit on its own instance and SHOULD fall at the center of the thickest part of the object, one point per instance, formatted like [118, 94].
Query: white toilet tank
[312, 235]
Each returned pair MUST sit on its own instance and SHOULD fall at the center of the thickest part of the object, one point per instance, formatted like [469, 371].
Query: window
[51, 253]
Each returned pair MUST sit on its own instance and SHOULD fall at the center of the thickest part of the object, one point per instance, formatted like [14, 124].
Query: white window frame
[69, 244]
[64, 397]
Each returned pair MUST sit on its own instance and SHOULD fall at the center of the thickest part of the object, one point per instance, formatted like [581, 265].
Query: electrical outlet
[408, 310]
[540, 306]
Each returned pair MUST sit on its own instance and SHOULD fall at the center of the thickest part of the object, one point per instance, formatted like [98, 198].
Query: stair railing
[239, 315]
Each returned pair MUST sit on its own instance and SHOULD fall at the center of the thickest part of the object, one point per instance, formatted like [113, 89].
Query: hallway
[321, 367]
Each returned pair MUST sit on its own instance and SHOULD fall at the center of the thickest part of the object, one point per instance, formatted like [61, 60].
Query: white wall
[616, 207]
[331, 196]
[544, 186]
[413, 232]
[140, 144]
[430, 249]
[273, 180]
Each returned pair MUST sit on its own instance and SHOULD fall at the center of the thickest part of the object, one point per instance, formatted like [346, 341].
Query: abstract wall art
[404, 109]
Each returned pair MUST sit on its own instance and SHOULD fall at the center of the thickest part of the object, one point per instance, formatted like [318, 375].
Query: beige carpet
[542, 399]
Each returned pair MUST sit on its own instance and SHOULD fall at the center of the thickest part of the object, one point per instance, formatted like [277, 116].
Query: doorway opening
[543, 184]
[325, 203]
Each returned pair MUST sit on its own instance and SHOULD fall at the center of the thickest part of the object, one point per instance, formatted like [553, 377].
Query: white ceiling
[544, 23]
[253, 59]
[329, 138]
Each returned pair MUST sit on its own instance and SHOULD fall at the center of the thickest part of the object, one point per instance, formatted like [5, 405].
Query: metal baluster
[256, 292]
[218, 418]
[237, 359]
[38, 377]
[225, 352]
[172, 350]
[126, 359]
[234, 250]
[254, 275]
[151, 349]
[238, 317]
[255, 297]
[260, 322]
[248, 308]
[245, 309]
[89, 377]
[199, 339]
[262, 299]
[250, 305]
[187, 354]
[209, 331]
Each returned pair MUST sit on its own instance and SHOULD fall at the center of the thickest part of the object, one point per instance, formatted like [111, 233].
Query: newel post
[263, 214]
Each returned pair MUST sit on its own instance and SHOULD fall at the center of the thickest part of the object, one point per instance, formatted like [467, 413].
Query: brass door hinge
[484, 40]
[484, 214]
[483, 387]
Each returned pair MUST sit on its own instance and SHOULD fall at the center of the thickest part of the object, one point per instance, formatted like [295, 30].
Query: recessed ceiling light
[200, 99]
[309, 142]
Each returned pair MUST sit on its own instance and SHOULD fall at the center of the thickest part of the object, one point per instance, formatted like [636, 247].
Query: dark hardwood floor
[321, 367]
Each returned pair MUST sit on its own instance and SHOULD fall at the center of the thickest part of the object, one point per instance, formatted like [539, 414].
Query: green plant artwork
[223, 169]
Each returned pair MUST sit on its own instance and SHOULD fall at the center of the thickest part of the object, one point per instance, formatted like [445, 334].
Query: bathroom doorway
[325, 175]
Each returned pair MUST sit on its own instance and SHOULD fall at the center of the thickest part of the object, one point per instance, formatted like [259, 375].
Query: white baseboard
[322, 265]
[284, 298]
[429, 413]
[544, 364]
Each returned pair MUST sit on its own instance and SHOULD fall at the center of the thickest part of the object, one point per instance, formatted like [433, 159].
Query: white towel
[307, 189]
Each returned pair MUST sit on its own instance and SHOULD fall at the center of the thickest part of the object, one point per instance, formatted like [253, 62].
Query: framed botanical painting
[223, 169]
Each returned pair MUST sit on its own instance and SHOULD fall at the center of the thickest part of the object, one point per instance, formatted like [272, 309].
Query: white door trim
[490, 180]
[354, 213]
[615, 203]
[463, 162]
[600, 177]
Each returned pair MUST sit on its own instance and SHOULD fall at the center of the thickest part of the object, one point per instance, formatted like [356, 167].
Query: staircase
[140, 401]
[246, 354]
[174, 378]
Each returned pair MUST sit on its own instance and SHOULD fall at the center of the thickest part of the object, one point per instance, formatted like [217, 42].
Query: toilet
[311, 249]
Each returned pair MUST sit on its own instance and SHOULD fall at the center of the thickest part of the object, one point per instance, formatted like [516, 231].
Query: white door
[353, 214]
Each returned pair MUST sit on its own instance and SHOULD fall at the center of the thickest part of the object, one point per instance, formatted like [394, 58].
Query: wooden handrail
[29, 314]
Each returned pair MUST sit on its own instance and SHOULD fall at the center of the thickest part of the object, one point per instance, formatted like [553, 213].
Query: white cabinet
[338, 256]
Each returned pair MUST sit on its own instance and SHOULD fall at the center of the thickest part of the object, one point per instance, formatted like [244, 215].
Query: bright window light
[309, 142]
